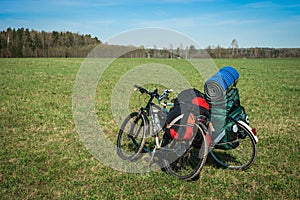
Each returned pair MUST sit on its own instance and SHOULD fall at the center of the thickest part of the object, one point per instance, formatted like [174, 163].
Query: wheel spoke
[240, 157]
[191, 162]
[131, 137]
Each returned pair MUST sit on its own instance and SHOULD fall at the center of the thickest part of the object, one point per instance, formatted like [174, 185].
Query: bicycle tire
[131, 136]
[243, 156]
[189, 165]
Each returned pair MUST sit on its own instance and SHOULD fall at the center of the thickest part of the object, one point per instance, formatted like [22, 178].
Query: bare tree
[234, 45]
[171, 50]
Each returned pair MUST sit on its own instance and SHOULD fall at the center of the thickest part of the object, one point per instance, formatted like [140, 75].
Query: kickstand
[152, 156]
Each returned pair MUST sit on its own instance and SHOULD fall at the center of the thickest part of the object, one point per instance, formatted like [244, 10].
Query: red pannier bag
[182, 117]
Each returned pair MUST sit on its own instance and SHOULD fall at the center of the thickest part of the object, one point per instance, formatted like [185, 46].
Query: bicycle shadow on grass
[210, 161]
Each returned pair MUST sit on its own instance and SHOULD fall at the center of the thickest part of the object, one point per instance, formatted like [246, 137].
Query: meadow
[42, 156]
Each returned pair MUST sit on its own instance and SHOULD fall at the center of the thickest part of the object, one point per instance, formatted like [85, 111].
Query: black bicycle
[142, 131]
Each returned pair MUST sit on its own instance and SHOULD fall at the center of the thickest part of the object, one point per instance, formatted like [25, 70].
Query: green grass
[41, 155]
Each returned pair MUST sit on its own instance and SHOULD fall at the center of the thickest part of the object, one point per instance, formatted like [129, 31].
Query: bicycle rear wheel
[131, 137]
[189, 165]
[243, 156]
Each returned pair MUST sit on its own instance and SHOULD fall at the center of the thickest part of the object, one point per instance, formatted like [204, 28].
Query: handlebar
[141, 90]
[155, 94]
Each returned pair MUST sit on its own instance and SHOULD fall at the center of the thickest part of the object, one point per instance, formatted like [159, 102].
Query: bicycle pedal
[147, 159]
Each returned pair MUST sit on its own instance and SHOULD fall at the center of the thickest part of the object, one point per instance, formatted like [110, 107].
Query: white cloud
[167, 23]
[186, 1]
[236, 22]
[177, 22]
[261, 4]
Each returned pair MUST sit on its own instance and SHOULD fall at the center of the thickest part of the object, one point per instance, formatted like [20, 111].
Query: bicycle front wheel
[189, 165]
[131, 137]
[241, 157]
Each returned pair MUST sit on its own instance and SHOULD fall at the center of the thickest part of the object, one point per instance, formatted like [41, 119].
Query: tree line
[253, 52]
[218, 52]
[31, 43]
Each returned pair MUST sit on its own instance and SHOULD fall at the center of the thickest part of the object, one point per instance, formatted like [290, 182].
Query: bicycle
[186, 158]
[182, 159]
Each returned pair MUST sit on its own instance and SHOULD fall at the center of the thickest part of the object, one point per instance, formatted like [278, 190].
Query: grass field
[42, 157]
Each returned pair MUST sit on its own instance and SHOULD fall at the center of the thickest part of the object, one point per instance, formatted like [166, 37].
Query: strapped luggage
[224, 101]
[188, 104]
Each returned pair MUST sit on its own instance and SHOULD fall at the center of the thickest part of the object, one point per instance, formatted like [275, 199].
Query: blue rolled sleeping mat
[220, 83]
[222, 96]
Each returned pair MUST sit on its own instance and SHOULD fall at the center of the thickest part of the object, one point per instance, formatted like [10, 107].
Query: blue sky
[209, 22]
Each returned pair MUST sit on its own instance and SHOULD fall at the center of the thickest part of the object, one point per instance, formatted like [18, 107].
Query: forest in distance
[25, 43]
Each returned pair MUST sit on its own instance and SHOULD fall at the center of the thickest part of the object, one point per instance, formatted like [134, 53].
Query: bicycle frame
[148, 110]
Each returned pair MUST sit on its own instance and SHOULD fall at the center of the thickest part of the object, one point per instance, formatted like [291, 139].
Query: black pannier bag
[188, 104]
